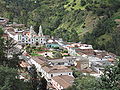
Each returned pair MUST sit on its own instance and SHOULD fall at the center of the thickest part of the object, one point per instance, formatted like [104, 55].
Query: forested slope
[92, 21]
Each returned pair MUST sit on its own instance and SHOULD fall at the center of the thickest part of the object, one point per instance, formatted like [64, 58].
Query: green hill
[91, 21]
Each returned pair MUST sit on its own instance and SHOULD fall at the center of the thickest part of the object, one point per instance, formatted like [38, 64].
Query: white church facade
[28, 36]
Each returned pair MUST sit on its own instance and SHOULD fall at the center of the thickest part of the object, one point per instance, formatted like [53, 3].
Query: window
[51, 75]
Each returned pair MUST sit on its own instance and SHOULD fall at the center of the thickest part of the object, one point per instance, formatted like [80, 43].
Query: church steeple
[32, 32]
[40, 31]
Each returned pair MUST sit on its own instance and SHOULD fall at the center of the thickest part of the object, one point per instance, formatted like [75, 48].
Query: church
[28, 36]
[31, 37]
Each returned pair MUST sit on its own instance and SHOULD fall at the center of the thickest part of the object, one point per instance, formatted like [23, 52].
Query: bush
[57, 55]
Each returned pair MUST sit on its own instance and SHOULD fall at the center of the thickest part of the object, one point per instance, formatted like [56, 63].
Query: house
[62, 82]
[16, 25]
[24, 64]
[48, 71]
[100, 53]
[38, 61]
[10, 32]
[52, 44]
[67, 61]
[64, 61]
[82, 63]
[3, 21]
[77, 49]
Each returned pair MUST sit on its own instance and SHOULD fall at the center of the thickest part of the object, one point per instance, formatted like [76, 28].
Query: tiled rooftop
[64, 80]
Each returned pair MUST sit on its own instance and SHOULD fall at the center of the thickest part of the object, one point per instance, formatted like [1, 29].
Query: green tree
[85, 83]
[2, 54]
[83, 2]
[34, 77]
[111, 78]
[57, 55]
[42, 84]
[74, 36]
[9, 79]
[77, 74]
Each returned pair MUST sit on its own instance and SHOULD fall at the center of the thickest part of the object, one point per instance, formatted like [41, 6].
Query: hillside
[91, 21]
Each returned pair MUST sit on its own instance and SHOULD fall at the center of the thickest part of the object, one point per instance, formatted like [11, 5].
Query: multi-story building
[27, 36]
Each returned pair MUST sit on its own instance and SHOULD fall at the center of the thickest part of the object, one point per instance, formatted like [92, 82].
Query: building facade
[27, 36]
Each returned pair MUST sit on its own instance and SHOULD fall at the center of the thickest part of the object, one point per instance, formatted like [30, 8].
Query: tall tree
[1, 47]
[42, 84]
[34, 77]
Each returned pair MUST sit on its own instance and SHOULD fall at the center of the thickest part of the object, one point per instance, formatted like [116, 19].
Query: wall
[56, 85]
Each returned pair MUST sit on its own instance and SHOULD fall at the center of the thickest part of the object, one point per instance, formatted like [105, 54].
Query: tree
[42, 84]
[9, 79]
[74, 36]
[37, 83]
[77, 73]
[2, 54]
[85, 83]
[33, 74]
[57, 55]
[83, 2]
[9, 54]
[110, 80]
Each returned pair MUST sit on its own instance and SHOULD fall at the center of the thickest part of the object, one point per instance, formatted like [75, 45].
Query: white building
[27, 36]
[49, 72]
[38, 61]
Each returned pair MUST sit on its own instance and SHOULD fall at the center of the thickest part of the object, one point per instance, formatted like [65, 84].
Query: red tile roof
[56, 69]
[39, 59]
[64, 80]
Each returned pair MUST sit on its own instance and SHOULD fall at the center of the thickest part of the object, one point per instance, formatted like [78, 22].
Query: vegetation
[111, 78]
[57, 54]
[91, 21]
[9, 79]
[85, 83]
[8, 57]
[33, 51]
[37, 82]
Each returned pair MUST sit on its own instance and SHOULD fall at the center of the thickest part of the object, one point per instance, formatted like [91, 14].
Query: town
[55, 59]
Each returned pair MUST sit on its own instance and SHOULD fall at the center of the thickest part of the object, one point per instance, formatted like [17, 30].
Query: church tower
[32, 32]
[40, 31]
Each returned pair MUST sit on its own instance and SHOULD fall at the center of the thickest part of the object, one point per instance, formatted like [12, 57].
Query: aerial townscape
[60, 45]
